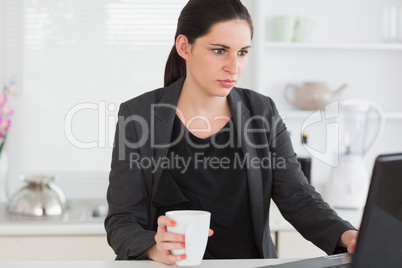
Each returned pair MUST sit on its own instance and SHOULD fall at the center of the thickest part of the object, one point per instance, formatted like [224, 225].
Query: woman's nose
[232, 65]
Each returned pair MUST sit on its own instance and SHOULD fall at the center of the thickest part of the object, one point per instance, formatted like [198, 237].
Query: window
[70, 52]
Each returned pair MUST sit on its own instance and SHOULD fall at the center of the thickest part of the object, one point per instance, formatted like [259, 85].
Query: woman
[201, 143]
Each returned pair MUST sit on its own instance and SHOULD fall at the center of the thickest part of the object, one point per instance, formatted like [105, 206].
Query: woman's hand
[166, 241]
[348, 240]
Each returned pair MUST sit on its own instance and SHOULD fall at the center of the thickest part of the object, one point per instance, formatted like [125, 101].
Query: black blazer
[145, 126]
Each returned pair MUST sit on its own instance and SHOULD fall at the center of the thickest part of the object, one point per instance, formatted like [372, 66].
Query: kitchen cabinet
[78, 234]
[55, 247]
[291, 245]
[87, 240]
[288, 242]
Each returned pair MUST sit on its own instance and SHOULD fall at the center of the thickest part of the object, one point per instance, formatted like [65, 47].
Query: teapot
[312, 95]
[40, 197]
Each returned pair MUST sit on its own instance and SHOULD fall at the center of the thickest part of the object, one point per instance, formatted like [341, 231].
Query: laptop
[379, 243]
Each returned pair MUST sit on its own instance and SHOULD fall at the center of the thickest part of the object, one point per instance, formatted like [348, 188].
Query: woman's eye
[219, 51]
[242, 52]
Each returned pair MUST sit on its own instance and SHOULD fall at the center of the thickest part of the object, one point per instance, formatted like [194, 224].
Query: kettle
[40, 197]
[312, 95]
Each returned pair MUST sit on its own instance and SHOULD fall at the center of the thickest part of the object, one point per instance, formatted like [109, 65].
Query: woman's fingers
[166, 246]
[164, 221]
[171, 237]
[164, 256]
[351, 247]
[211, 232]
[172, 259]
[165, 240]
[163, 234]
[169, 241]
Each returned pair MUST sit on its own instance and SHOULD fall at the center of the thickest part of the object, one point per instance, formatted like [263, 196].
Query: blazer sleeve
[127, 195]
[297, 200]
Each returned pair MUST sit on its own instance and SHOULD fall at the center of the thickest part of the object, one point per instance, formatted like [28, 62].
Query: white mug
[390, 24]
[194, 224]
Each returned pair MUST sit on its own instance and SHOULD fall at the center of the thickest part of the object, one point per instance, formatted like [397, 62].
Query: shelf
[341, 46]
[298, 114]
[394, 115]
[295, 114]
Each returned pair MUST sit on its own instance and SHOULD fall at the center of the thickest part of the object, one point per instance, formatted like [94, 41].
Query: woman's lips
[227, 83]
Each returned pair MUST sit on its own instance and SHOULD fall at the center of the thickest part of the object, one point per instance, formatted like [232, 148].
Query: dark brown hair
[196, 20]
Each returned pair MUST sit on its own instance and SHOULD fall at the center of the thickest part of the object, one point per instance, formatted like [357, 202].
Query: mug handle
[309, 26]
[297, 28]
[287, 87]
[374, 108]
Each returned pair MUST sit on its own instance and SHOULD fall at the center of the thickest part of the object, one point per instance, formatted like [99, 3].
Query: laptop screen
[380, 241]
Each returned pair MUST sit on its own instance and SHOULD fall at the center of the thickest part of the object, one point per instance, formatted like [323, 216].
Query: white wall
[2, 41]
[64, 67]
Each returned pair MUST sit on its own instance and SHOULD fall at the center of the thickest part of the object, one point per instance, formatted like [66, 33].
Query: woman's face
[215, 62]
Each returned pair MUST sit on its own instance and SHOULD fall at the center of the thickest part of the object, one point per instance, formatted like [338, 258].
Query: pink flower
[3, 99]
[4, 124]
[10, 89]
[7, 110]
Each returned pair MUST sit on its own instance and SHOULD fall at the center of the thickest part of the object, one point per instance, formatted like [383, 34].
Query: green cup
[284, 28]
[291, 28]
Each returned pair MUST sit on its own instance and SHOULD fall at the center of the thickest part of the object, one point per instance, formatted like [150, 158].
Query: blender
[349, 180]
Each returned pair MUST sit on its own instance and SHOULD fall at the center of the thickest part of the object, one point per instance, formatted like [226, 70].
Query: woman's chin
[223, 92]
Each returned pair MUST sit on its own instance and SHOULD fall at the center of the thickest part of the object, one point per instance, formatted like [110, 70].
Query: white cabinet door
[291, 245]
[55, 248]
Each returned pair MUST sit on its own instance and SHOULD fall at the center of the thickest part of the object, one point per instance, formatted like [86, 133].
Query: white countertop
[139, 264]
[78, 221]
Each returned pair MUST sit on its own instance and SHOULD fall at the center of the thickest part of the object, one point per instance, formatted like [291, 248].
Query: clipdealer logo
[329, 117]
[106, 124]
[146, 128]
[107, 121]
[202, 161]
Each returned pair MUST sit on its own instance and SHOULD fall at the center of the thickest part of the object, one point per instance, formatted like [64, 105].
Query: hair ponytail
[196, 20]
[175, 67]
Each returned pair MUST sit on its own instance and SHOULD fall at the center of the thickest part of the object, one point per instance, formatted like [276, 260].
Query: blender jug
[354, 121]
[349, 181]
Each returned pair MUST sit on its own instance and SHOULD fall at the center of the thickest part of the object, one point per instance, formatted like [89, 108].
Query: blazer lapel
[241, 115]
[162, 123]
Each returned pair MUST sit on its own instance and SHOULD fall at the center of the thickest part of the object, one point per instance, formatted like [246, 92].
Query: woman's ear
[182, 46]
